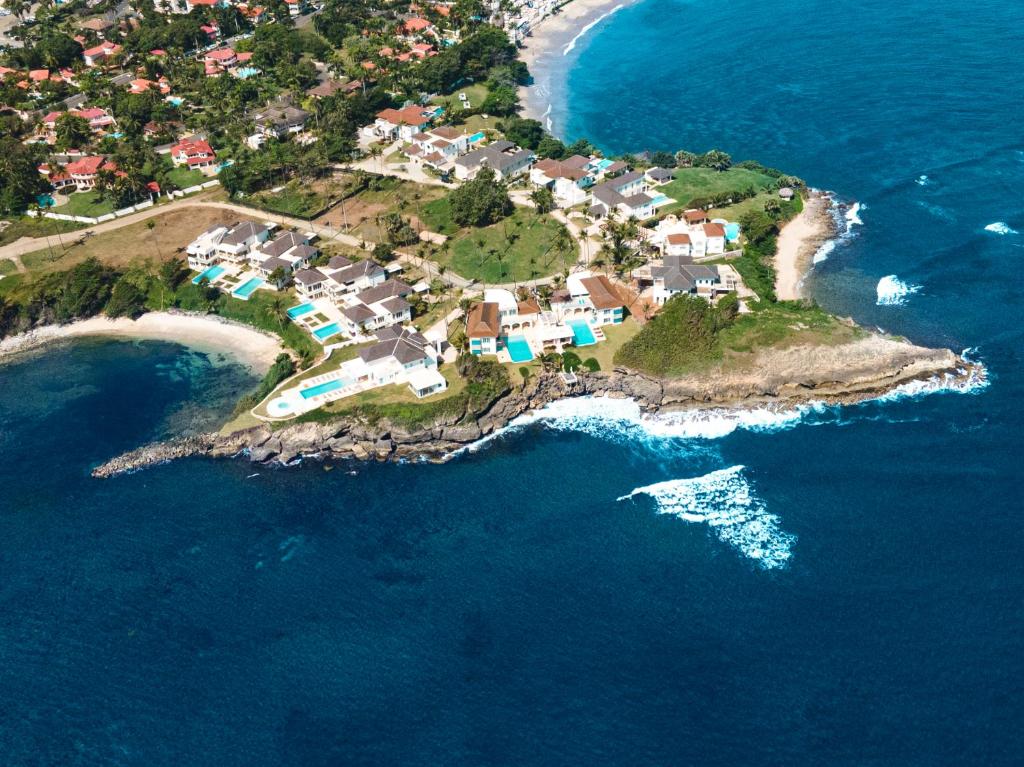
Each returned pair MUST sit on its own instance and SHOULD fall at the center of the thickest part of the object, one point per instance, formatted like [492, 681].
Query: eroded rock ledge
[841, 374]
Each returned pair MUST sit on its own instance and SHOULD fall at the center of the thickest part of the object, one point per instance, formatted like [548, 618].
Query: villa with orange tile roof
[194, 153]
[99, 54]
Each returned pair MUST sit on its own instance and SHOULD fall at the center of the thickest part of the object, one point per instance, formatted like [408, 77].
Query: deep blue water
[505, 608]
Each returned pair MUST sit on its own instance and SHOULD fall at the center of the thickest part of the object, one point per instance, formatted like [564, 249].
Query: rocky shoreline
[783, 379]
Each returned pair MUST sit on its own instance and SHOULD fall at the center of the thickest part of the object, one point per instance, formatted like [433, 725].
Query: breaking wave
[1001, 227]
[844, 220]
[724, 500]
[622, 420]
[579, 35]
[922, 180]
[892, 291]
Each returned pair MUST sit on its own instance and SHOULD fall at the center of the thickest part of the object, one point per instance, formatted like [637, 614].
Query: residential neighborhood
[353, 193]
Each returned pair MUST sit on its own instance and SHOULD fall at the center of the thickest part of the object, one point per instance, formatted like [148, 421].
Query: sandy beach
[204, 333]
[550, 41]
[798, 241]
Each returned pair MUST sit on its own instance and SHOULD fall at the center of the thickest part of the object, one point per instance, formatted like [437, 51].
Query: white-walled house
[679, 275]
[202, 251]
[402, 123]
[503, 157]
[569, 180]
[677, 244]
[310, 284]
[236, 243]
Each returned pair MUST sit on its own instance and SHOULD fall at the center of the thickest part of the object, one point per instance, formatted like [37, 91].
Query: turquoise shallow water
[836, 587]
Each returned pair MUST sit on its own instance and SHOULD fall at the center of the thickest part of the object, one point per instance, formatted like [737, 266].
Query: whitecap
[892, 291]
[853, 216]
[922, 180]
[963, 381]
[622, 420]
[588, 27]
[1001, 227]
[725, 501]
[822, 253]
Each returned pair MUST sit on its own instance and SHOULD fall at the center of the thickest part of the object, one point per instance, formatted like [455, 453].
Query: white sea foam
[822, 253]
[1001, 227]
[853, 216]
[892, 291]
[588, 27]
[725, 501]
[922, 180]
[962, 382]
[845, 220]
[622, 420]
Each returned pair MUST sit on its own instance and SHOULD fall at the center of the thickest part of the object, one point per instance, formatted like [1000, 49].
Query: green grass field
[521, 247]
[7, 267]
[183, 178]
[85, 204]
[696, 183]
[36, 227]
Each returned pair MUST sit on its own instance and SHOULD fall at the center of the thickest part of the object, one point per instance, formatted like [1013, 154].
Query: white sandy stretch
[550, 40]
[206, 333]
[797, 242]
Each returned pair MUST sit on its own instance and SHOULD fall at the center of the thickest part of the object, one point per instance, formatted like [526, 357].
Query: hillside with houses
[354, 177]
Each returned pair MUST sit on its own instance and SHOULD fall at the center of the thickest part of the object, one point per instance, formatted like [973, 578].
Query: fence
[177, 194]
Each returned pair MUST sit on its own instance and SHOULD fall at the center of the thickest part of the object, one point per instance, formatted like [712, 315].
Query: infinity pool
[298, 311]
[518, 349]
[582, 334]
[247, 288]
[324, 388]
[327, 331]
[209, 273]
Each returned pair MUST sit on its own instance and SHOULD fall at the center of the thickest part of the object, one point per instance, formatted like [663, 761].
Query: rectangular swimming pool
[582, 334]
[518, 349]
[247, 288]
[209, 273]
[298, 311]
[478, 136]
[327, 331]
[324, 388]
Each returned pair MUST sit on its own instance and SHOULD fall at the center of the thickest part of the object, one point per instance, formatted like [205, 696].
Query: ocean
[829, 586]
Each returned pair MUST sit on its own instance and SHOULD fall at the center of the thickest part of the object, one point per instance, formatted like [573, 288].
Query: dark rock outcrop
[786, 378]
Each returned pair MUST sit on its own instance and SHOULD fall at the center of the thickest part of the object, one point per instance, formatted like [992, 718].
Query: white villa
[693, 236]
[402, 123]
[519, 330]
[503, 157]
[401, 355]
[438, 148]
[571, 179]
[628, 196]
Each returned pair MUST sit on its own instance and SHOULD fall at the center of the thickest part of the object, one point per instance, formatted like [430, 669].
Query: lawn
[520, 247]
[85, 204]
[338, 356]
[183, 178]
[782, 324]
[7, 267]
[294, 200]
[616, 336]
[436, 216]
[698, 183]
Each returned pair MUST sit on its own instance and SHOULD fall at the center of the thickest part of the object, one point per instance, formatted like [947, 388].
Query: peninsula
[377, 227]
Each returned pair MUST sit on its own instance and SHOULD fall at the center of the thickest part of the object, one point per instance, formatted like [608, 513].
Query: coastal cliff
[779, 378]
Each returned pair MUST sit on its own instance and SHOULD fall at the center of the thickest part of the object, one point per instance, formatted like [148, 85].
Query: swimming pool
[247, 288]
[732, 232]
[298, 311]
[327, 331]
[582, 334]
[659, 199]
[325, 388]
[175, 101]
[209, 273]
[478, 136]
[518, 349]
[243, 73]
